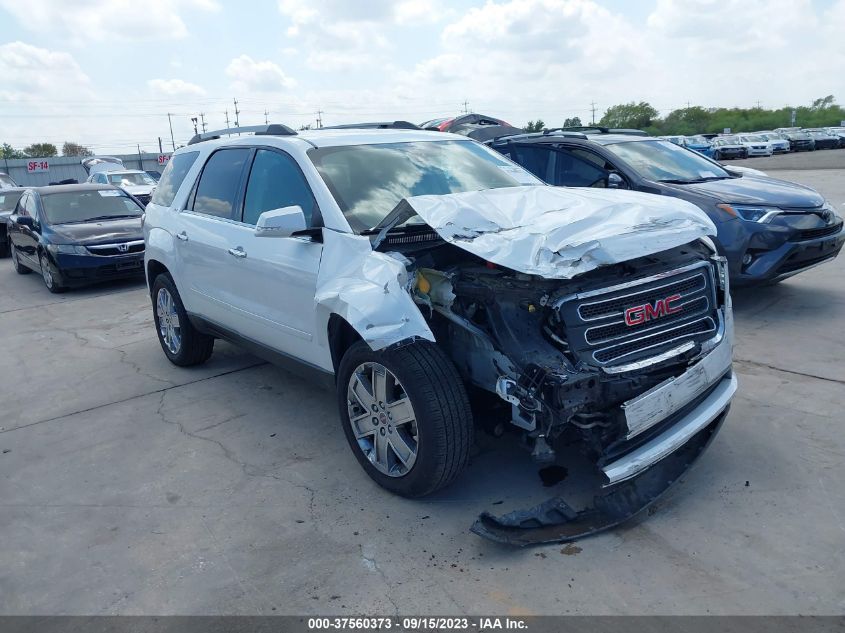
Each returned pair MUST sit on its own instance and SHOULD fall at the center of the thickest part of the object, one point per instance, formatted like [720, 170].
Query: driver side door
[275, 278]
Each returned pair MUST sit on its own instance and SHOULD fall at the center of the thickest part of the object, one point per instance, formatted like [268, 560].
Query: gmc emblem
[640, 314]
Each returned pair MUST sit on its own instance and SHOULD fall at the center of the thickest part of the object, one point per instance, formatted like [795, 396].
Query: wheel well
[154, 269]
[341, 337]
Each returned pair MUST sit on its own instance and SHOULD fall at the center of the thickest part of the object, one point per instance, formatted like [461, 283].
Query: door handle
[182, 236]
[237, 252]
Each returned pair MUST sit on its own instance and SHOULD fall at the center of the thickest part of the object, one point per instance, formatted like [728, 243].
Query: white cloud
[175, 88]
[38, 75]
[107, 20]
[249, 75]
[338, 34]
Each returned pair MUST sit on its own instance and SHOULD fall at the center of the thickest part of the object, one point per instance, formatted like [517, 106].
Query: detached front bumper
[668, 426]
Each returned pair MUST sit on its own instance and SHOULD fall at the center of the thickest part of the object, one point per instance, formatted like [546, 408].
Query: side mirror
[282, 222]
[615, 181]
[24, 220]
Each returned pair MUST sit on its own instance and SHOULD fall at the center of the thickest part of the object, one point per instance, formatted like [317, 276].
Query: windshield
[753, 138]
[80, 206]
[664, 161]
[697, 140]
[132, 179]
[4, 179]
[368, 181]
[9, 200]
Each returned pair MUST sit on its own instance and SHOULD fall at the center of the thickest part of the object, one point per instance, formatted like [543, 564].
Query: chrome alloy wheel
[382, 419]
[168, 321]
[46, 272]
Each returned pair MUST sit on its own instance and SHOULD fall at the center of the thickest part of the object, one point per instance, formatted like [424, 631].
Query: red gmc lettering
[640, 314]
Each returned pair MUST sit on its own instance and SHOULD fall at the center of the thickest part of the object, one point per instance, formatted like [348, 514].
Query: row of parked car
[434, 280]
[763, 143]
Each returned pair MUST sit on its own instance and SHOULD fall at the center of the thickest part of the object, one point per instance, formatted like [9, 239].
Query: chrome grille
[111, 250]
[595, 326]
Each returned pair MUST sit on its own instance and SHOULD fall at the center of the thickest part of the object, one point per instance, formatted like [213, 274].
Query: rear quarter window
[173, 177]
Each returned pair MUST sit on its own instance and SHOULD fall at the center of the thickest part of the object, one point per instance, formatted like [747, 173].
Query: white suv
[414, 269]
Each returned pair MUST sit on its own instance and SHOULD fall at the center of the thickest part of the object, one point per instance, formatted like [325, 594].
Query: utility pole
[758, 104]
[226, 112]
[202, 118]
[140, 160]
[194, 121]
[319, 119]
[466, 106]
[160, 148]
[266, 114]
[172, 142]
[593, 110]
[237, 112]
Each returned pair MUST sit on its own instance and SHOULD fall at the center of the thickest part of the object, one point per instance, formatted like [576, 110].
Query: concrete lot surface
[129, 486]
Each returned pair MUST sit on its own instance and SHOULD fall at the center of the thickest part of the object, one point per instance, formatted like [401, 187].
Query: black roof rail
[273, 129]
[376, 125]
[599, 129]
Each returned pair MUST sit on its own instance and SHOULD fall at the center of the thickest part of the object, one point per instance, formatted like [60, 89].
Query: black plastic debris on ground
[554, 521]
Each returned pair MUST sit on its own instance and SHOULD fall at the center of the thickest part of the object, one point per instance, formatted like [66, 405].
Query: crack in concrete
[129, 399]
[787, 371]
[371, 563]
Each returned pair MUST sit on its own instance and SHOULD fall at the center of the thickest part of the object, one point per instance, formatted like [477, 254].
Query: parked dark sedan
[799, 141]
[768, 229]
[823, 139]
[8, 200]
[77, 234]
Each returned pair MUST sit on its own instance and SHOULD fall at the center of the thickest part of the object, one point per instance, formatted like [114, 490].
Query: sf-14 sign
[37, 165]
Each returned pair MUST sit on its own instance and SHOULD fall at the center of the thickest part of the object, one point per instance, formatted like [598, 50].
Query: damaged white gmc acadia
[433, 282]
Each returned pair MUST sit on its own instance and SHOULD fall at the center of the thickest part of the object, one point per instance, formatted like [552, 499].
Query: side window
[219, 183]
[20, 209]
[275, 181]
[30, 206]
[573, 171]
[172, 178]
[534, 159]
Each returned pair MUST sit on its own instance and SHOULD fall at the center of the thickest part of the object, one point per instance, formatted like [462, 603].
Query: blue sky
[106, 72]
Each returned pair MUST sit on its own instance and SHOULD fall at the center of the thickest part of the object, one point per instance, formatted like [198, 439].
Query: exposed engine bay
[560, 360]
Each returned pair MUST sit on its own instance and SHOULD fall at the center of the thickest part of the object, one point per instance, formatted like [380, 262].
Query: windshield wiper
[402, 212]
[691, 181]
[108, 217]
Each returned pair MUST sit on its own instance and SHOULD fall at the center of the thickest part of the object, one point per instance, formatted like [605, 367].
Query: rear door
[274, 279]
[25, 239]
[208, 230]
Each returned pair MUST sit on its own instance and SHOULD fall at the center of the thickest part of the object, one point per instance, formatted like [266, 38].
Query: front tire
[52, 279]
[717, 155]
[180, 341]
[406, 416]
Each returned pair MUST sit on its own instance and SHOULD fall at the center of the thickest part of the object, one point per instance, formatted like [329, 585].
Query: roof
[556, 138]
[86, 186]
[332, 138]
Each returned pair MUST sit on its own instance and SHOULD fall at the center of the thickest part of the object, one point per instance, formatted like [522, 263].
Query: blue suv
[768, 229]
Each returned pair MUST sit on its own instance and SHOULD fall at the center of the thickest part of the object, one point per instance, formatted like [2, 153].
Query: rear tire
[180, 341]
[16, 263]
[421, 376]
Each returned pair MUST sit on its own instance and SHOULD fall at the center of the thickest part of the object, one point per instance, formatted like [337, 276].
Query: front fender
[368, 289]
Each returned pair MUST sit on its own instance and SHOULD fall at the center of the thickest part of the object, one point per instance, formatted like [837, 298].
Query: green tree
[629, 115]
[535, 126]
[75, 149]
[7, 151]
[573, 122]
[41, 150]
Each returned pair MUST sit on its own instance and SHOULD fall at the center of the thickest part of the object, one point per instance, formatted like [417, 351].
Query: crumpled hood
[561, 232]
